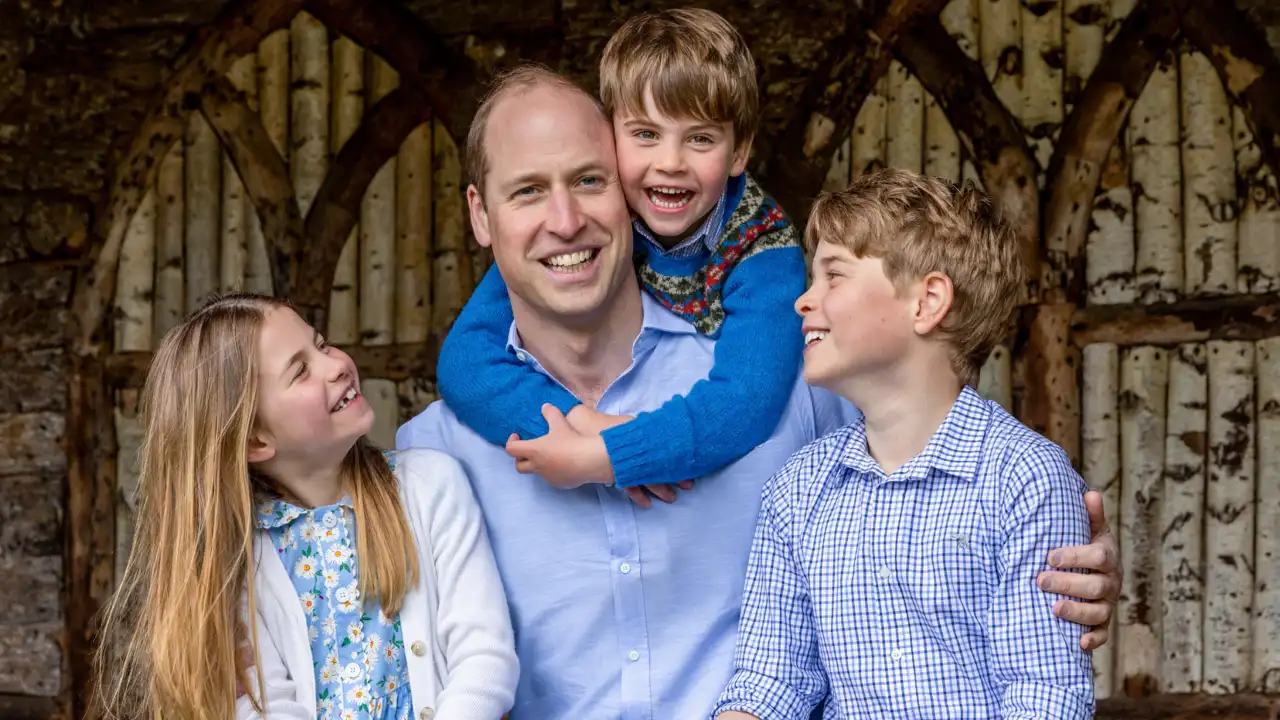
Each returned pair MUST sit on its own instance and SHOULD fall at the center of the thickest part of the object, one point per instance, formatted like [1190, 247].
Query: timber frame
[793, 156]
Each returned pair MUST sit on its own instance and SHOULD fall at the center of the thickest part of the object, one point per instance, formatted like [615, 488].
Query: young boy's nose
[670, 159]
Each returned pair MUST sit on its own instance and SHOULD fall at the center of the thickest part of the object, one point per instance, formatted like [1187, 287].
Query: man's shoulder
[431, 428]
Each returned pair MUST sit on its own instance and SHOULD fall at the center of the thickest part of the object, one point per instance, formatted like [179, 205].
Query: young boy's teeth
[814, 336]
[669, 198]
[571, 262]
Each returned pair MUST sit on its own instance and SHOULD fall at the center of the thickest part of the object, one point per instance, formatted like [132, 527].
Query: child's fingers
[638, 496]
[662, 492]
[685, 484]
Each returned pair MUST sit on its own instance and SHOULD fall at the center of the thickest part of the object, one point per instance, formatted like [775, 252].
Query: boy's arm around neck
[487, 388]
[738, 405]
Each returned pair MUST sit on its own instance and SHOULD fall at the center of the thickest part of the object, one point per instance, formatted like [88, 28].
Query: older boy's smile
[813, 336]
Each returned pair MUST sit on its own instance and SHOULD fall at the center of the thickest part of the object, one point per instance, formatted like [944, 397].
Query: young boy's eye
[702, 140]
[646, 135]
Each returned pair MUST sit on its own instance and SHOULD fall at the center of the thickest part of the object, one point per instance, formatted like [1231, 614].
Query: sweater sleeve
[507, 397]
[473, 621]
[738, 405]
[279, 698]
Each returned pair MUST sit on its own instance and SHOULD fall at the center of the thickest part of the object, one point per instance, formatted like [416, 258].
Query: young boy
[894, 563]
[680, 89]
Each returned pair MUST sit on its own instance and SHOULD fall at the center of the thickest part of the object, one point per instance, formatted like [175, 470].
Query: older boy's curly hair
[917, 225]
[694, 62]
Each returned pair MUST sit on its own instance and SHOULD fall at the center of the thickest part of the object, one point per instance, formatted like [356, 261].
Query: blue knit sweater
[742, 293]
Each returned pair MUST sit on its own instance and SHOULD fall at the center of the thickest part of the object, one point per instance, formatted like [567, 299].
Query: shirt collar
[656, 318]
[707, 235]
[955, 447]
[277, 512]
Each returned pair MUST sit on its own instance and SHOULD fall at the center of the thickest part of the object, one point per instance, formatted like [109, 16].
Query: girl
[369, 579]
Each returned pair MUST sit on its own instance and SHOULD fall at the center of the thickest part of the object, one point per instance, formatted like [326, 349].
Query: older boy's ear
[741, 154]
[261, 448]
[936, 296]
[479, 216]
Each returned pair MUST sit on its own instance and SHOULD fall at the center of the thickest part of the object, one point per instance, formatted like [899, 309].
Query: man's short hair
[917, 225]
[694, 62]
[521, 78]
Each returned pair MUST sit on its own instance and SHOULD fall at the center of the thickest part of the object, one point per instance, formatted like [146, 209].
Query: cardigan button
[426, 714]
[418, 648]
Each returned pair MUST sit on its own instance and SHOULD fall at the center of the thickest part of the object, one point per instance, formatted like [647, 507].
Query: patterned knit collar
[277, 512]
[707, 235]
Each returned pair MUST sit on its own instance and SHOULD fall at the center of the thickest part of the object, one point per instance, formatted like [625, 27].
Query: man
[619, 611]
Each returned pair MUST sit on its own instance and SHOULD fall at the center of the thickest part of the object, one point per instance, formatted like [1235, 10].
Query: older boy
[680, 89]
[893, 568]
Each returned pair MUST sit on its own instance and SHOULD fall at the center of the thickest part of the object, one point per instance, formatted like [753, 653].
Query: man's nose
[564, 215]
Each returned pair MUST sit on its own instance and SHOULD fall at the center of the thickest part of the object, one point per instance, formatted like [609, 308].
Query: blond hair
[917, 225]
[519, 79]
[693, 61]
[171, 637]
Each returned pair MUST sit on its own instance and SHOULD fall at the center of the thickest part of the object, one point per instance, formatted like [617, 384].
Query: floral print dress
[358, 652]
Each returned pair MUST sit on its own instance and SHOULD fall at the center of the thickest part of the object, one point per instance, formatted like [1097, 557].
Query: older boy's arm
[739, 404]
[1101, 586]
[1036, 658]
[777, 674]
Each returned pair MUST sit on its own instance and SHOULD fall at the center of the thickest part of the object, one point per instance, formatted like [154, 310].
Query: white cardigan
[458, 641]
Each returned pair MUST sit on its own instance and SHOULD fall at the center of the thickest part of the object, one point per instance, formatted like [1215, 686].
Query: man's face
[553, 209]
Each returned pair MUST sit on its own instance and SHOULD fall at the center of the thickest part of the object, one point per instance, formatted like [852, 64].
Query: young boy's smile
[673, 170]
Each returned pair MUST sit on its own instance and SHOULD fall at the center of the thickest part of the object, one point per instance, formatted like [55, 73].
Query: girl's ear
[261, 447]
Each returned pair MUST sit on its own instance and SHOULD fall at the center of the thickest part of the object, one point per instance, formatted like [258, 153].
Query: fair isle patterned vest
[756, 225]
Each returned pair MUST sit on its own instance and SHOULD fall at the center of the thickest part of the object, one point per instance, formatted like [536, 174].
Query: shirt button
[427, 713]
[520, 354]
[896, 654]
[625, 568]
[633, 655]
[419, 648]
[884, 572]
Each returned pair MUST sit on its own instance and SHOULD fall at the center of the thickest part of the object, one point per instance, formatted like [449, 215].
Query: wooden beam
[91, 449]
[990, 133]
[1051, 397]
[238, 30]
[1190, 707]
[383, 362]
[24, 707]
[1233, 317]
[799, 155]
[1081, 153]
[1245, 62]
[264, 174]
[450, 81]
[336, 207]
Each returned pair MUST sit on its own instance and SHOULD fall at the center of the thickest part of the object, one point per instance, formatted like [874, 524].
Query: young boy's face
[855, 322]
[673, 170]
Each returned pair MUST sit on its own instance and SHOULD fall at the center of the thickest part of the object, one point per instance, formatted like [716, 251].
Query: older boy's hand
[1102, 587]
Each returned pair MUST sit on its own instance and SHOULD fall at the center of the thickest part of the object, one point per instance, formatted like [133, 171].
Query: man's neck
[903, 408]
[586, 358]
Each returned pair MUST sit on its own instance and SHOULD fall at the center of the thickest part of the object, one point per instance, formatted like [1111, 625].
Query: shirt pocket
[956, 591]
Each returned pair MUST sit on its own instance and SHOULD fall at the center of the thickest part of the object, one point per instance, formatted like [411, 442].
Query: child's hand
[665, 492]
[565, 457]
[587, 420]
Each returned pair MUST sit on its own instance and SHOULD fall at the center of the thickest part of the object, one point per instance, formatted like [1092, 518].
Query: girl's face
[310, 410]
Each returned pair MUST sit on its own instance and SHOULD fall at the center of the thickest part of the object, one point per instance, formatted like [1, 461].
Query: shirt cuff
[765, 697]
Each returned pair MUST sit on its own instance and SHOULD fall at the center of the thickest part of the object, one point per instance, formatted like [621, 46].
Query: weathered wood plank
[1100, 464]
[1266, 586]
[1235, 317]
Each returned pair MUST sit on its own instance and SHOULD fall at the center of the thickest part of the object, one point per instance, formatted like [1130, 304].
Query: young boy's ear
[933, 303]
[741, 154]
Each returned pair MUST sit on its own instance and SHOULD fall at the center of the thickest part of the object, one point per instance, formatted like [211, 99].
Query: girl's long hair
[170, 643]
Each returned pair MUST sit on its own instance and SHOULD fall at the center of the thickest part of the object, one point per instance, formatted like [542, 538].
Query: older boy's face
[553, 211]
[855, 322]
[674, 169]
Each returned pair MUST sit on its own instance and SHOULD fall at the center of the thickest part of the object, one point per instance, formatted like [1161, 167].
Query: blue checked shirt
[913, 595]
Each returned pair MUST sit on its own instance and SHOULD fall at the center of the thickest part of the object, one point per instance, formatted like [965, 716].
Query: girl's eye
[302, 370]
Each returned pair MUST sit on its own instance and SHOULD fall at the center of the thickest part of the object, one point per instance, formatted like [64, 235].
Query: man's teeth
[814, 336]
[571, 262]
[670, 198]
[346, 399]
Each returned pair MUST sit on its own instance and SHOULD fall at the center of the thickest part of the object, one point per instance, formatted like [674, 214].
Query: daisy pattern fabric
[358, 652]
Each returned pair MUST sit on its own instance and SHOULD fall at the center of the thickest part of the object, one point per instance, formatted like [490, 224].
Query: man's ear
[933, 303]
[261, 447]
[479, 216]
[741, 154]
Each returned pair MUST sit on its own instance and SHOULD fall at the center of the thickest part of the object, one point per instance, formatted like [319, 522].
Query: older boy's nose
[564, 217]
[803, 304]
